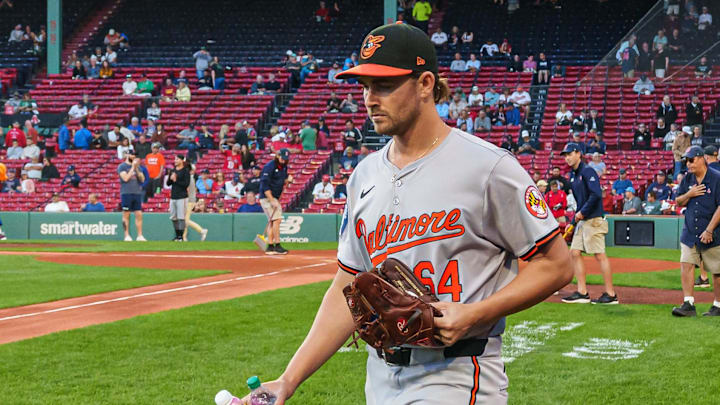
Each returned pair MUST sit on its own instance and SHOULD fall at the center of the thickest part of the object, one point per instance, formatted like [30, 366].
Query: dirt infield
[250, 273]
[40, 245]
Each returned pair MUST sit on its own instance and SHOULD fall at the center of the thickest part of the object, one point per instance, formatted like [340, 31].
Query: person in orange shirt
[3, 172]
[155, 163]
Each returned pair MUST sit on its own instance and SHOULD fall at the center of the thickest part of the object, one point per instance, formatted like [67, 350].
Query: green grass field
[185, 356]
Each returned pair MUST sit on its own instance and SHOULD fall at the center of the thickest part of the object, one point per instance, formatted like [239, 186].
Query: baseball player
[462, 238]
[590, 229]
[700, 240]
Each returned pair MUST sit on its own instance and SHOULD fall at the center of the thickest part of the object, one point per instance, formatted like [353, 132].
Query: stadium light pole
[54, 36]
[390, 11]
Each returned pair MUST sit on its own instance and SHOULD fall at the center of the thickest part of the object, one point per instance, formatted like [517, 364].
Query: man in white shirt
[475, 98]
[31, 151]
[78, 111]
[644, 85]
[521, 99]
[324, 189]
[705, 19]
[129, 86]
[439, 38]
[34, 168]
[110, 56]
[16, 35]
[56, 205]
[233, 187]
[489, 48]
[563, 116]
[456, 106]
[458, 65]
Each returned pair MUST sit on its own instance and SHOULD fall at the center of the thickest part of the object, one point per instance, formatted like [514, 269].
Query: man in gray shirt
[631, 204]
[202, 61]
[131, 194]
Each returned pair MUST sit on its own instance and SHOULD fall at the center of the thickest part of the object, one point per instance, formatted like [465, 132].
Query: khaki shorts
[273, 211]
[589, 236]
[709, 257]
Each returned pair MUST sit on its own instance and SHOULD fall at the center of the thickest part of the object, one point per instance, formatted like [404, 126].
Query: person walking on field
[590, 228]
[192, 200]
[178, 181]
[699, 191]
[131, 194]
[465, 248]
[273, 179]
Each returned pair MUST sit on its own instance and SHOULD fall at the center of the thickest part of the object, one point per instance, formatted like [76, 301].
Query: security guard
[590, 229]
[699, 191]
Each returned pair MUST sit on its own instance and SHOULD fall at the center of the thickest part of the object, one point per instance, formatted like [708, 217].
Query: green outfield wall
[299, 228]
[662, 232]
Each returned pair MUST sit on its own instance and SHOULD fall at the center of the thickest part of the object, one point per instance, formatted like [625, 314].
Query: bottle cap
[253, 382]
[223, 397]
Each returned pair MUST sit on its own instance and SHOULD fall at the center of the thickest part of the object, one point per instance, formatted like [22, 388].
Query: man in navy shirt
[273, 178]
[590, 228]
[659, 187]
[711, 157]
[699, 191]
[621, 183]
[93, 205]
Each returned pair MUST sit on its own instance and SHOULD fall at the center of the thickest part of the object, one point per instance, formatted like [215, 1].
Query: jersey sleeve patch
[535, 203]
[539, 243]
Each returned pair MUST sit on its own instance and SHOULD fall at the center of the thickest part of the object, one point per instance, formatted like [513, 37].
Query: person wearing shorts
[590, 227]
[192, 200]
[178, 181]
[131, 194]
[273, 178]
[700, 238]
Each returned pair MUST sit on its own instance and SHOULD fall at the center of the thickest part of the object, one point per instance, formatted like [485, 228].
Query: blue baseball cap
[630, 189]
[284, 154]
[694, 151]
[571, 147]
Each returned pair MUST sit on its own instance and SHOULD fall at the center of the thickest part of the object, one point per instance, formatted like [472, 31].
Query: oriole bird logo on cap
[371, 44]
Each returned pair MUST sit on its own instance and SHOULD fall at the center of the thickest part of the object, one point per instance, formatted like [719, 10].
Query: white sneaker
[141, 239]
[203, 235]
[128, 238]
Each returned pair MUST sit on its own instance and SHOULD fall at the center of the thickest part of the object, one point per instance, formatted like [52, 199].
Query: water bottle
[226, 398]
[258, 394]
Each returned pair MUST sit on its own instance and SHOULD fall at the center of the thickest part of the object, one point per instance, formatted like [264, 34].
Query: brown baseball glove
[391, 307]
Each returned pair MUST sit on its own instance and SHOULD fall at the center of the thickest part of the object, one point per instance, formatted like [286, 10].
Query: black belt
[463, 348]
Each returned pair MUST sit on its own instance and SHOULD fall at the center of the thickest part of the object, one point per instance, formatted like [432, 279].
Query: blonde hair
[441, 90]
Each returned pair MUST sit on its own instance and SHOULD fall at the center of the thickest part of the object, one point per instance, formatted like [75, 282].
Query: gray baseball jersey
[460, 217]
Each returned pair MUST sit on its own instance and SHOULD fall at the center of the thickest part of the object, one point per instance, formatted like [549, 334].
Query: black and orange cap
[394, 50]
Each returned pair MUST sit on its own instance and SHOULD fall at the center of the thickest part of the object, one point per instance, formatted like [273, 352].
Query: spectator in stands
[456, 106]
[293, 67]
[251, 204]
[562, 181]
[542, 186]
[659, 40]
[27, 105]
[129, 86]
[78, 111]
[651, 206]
[91, 107]
[521, 99]
[527, 145]
[660, 61]
[364, 152]
[233, 188]
[579, 123]
[491, 96]
[682, 141]
[694, 112]
[63, 136]
[348, 161]
[168, 90]
[659, 187]
[124, 148]
[421, 14]
[155, 163]
[349, 105]
[439, 38]
[644, 85]
[34, 168]
[106, 71]
[667, 110]
[253, 183]
[622, 183]
[16, 35]
[182, 77]
[205, 139]
[308, 66]
[676, 44]
[597, 164]
[632, 205]
[135, 127]
[529, 65]
[322, 14]
[114, 137]
[704, 21]
[112, 38]
[202, 61]
[323, 190]
[697, 134]
[71, 178]
[98, 142]
[464, 118]
[153, 112]
[57, 205]
[11, 183]
[183, 92]
[110, 56]
[205, 82]
[27, 185]
[473, 64]
[333, 103]
[489, 48]
[557, 201]
[498, 118]
[31, 134]
[151, 128]
[15, 134]
[15, 151]
[458, 64]
[711, 157]
[641, 138]
[93, 71]
[669, 138]
[443, 109]
[563, 116]
[475, 99]
[217, 74]
[661, 129]
[142, 147]
[644, 58]
[515, 64]
[467, 40]
[334, 70]
[482, 123]
[628, 57]
[512, 115]
[160, 136]
[93, 205]
[703, 70]
[204, 184]
[82, 137]
[145, 88]
[49, 171]
[543, 69]
[352, 136]
[308, 136]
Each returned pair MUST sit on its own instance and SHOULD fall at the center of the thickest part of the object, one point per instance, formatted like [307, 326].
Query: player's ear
[426, 85]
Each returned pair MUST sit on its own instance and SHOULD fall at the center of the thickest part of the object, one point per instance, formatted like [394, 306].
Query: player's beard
[401, 122]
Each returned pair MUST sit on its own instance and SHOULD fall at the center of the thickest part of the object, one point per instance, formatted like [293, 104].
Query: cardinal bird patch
[371, 44]
[535, 203]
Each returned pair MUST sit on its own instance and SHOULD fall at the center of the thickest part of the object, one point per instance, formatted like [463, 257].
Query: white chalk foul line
[170, 290]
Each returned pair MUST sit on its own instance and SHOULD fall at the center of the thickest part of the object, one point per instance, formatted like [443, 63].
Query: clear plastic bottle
[258, 394]
[224, 397]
